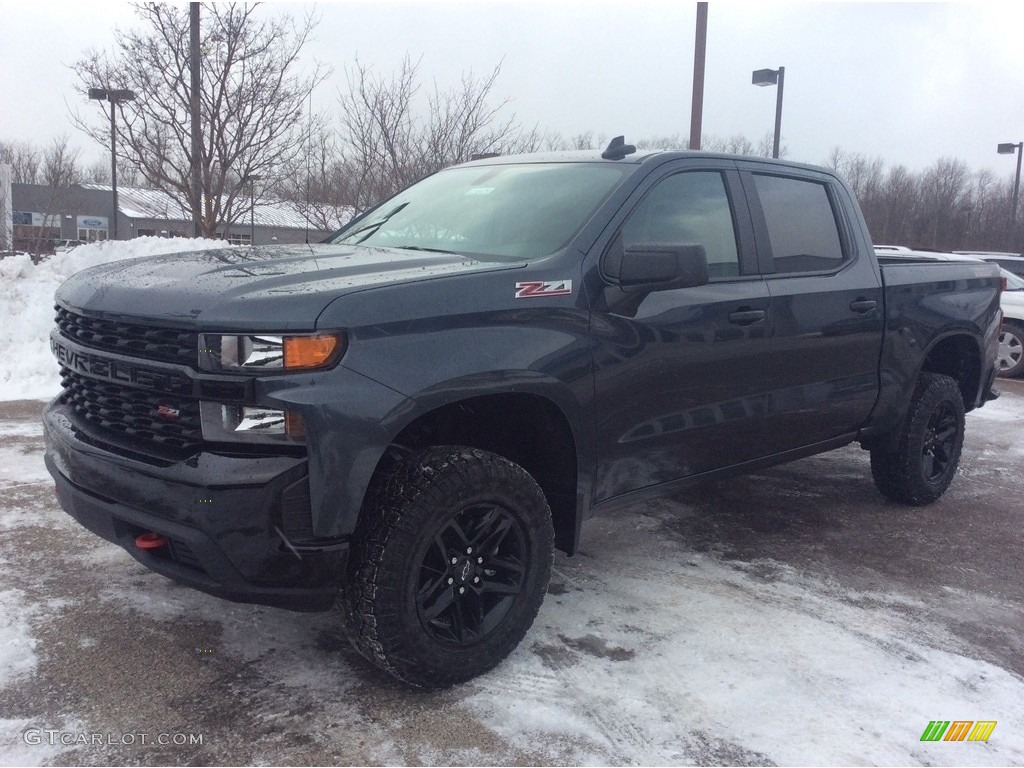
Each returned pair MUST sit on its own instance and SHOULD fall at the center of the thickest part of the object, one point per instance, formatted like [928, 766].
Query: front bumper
[237, 526]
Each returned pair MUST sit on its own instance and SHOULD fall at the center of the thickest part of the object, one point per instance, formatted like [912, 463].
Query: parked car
[67, 245]
[1012, 262]
[411, 416]
[1011, 338]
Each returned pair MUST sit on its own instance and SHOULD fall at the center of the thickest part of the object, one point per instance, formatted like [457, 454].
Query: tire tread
[896, 469]
[391, 520]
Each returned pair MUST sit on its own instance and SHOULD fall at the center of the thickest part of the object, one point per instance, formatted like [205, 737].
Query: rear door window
[802, 229]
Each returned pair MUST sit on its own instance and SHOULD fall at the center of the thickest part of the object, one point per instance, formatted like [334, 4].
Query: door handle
[863, 306]
[746, 316]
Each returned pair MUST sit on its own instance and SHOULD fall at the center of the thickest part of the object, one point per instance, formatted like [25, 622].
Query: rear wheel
[1010, 359]
[450, 565]
[919, 467]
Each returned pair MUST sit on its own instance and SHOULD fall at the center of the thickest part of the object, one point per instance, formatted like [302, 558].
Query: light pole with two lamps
[1009, 149]
[115, 97]
[777, 77]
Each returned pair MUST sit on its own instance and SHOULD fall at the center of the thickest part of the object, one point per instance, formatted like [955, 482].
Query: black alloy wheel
[940, 442]
[449, 565]
[470, 573]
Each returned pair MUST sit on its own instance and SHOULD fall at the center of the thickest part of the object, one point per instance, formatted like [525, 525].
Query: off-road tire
[410, 609]
[919, 467]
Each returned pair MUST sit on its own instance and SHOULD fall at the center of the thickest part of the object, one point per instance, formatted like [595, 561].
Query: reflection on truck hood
[284, 287]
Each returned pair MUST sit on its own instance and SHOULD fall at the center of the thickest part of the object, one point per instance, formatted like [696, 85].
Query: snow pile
[26, 306]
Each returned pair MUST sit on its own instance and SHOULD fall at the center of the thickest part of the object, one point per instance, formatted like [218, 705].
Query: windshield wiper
[422, 248]
[374, 226]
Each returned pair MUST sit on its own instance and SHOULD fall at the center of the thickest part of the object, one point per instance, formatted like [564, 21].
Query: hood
[280, 287]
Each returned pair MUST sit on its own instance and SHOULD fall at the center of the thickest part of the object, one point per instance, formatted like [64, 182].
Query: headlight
[250, 424]
[269, 353]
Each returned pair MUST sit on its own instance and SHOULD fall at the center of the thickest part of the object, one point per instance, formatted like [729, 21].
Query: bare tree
[462, 123]
[944, 190]
[387, 142]
[56, 167]
[675, 141]
[252, 102]
[24, 159]
[766, 146]
[322, 183]
[60, 167]
[735, 145]
[99, 173]
[901, 202]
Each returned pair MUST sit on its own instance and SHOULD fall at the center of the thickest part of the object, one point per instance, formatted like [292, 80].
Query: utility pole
[197, 165]
[699, 51]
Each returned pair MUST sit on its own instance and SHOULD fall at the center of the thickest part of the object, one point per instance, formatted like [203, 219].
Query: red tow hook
[151, 540]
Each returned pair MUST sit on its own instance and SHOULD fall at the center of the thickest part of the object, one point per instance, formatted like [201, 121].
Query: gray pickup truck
[401, 424]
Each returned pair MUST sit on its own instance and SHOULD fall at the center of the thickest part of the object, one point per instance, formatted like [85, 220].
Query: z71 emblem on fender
[536, 288]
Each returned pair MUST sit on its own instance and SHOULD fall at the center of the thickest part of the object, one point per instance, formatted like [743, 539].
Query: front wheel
[1010, 359]
[919, 467]
[451, 561]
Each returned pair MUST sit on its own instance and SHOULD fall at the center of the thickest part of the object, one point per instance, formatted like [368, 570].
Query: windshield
[515, 211]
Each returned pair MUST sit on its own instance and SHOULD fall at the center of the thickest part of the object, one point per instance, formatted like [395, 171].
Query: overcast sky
[907, 82]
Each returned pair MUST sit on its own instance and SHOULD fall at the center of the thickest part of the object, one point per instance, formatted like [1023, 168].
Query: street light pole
[252, 208]
[776, 77]
[699, 54]
[115, 97]
[1009, 149]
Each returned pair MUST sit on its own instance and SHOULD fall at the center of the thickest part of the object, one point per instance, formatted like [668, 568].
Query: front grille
[167, 420]
[131, 339]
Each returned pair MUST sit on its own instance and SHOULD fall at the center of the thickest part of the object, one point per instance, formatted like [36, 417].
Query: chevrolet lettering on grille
[100, 367]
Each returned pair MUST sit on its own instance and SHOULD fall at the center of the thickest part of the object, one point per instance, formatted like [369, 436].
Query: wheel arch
[959, 356]
[528, 428]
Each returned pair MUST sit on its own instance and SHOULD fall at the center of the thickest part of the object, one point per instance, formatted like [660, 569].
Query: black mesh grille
[141, 341]
[164, 419]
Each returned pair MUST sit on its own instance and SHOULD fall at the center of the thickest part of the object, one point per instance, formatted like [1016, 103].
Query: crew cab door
[680, 372]
[826, 306]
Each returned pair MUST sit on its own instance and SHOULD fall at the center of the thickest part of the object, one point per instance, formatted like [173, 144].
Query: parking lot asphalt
[791, 616]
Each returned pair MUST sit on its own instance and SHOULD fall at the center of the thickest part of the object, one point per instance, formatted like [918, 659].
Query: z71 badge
[535, 288]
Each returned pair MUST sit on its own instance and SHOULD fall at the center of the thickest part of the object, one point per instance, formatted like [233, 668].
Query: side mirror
[659, 267]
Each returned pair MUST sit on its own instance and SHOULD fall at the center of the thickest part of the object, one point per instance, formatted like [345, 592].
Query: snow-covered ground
[648, 649]
[26, 306]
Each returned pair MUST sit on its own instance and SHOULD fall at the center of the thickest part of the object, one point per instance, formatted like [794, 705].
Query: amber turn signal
[308, 351]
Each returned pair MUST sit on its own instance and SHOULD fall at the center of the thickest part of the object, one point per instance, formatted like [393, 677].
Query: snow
[26, 305]
[17, 646]
[789, 671]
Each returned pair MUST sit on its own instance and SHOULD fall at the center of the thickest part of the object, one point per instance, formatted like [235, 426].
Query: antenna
[618, 149]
